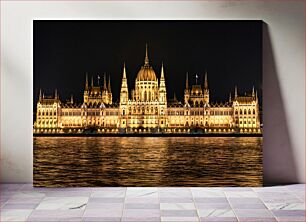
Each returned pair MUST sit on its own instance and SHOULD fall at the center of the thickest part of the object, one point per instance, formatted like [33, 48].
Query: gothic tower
[124, 98]
[187, 91]
[124, 93]
[206, 90]
[162, 87]
[86, 90]
[162, 99]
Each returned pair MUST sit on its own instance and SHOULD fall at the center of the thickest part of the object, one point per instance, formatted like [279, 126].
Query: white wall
[284, 79]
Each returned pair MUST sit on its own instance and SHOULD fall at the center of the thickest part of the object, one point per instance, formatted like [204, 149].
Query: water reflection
[147, 161]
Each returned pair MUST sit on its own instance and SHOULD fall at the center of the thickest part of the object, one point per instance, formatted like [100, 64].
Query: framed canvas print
[147, 103]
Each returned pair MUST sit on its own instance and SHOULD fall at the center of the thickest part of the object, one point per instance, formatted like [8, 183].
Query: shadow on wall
[278, 160]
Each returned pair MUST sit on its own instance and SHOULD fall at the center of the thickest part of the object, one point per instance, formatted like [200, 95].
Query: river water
[147, 161]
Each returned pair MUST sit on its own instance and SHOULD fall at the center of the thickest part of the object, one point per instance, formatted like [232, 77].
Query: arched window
[245, 112]
[241, 112]
[145, 96]
[236, 112]
[249, 112]
[254, 111]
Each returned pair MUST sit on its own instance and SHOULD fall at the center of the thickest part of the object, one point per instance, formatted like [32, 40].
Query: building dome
[146, 73]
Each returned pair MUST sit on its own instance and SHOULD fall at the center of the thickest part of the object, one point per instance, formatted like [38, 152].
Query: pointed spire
[40, 95]
[253, 92]
[230, 97]
[162, 75]
[109, 84]
[92, 83]
[162, 82]
[187, 83]
[124, 71]
[104, 82]
[86, 81]
[147, 57]
[71, 98]
[124, 87]
[174, 96]
[55, 94]
[236, 92]
[205, 81]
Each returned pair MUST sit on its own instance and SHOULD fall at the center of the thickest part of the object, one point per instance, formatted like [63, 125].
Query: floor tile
[240, 194]
[28, 194]
[269, 204]
[143, 219]
[133, 192]
[178, 213]
[101, 219]
[238, 189]
[175, 192]
[105, 200]
[142, 213]
[210, 200]
[68, 193]
[216, 213]
[20, 206]
[246, 200]
[57, 213]
[218, 219]
[103, 213]
[10, 186]
[207, 192]
[176, 200]
[141, 206]
[55, 219]
[291, 219]
[110, 194]
[224, 205]
[177, 206]
[289, 213]
[62, 203]
[179, 219]
[248, 206]
[25, 200]
[142, 200]
[256, 219]
[14, 214]
[254, 213]
[91, 205]
[285, 206]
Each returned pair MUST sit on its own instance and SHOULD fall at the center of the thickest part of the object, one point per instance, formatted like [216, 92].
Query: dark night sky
[230, 51]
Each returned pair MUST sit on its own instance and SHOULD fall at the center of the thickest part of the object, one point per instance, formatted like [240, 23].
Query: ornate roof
[146, 73]
[244, 99]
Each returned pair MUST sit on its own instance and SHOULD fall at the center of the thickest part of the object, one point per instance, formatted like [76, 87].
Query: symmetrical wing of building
[146, 109]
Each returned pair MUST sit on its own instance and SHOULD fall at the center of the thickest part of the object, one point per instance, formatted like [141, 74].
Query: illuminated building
[146, 109]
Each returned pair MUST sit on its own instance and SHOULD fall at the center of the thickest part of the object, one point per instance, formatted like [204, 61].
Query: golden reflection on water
[147, 161]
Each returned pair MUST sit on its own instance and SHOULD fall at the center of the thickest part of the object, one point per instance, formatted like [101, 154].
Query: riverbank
[147, 135]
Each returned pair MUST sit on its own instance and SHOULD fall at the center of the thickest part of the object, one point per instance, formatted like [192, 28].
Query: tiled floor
[22, 202]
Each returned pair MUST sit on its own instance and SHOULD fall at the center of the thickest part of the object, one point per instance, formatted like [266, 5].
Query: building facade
[146, 109]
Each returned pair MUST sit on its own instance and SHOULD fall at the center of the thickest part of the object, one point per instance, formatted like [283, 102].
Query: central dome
[146, 73]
